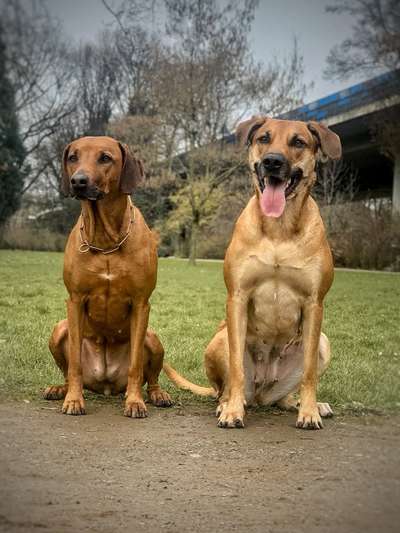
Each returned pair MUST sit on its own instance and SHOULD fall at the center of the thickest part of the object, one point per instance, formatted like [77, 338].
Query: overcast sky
[276, 24]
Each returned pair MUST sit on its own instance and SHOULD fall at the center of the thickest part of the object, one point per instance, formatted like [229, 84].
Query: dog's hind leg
[59, 349]
[153, 363]
[216, 361]
[217, 369]
[324, 408]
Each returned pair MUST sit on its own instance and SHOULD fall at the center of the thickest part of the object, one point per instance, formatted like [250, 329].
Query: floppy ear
[246, 130]
[327, 140]
[132, 171]
[64, 174]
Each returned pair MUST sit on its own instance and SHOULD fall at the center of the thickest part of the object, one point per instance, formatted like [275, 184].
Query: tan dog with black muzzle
[110, 271]
[278, 269]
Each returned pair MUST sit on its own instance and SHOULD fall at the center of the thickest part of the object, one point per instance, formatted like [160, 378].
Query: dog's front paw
[74, 404]
[135, 408]
[231, 416]
[309, 418]
[160, 398]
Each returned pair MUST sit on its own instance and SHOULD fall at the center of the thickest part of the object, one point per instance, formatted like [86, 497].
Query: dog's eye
[264, 139]
[72, 158]
[298, 143]
[104, 158]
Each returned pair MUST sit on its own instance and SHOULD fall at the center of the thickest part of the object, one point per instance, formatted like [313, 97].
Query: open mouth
[275, 190]
[274, 181]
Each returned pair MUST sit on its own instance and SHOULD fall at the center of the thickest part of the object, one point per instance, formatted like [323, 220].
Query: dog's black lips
[294, 179]
[91, 195]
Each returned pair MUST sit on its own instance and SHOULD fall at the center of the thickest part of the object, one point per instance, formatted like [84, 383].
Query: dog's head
[93, 167]
[283, 156]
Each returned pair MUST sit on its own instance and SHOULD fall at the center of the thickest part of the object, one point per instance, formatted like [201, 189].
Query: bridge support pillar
[396, 185]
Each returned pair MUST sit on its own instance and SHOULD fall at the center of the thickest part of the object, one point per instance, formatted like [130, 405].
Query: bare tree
[191, 74]
[336, 183]
[385, 129]
[336, 186]
[207, 80]
[97, 75]
[137, 51]
[375, 43]
[35, 61]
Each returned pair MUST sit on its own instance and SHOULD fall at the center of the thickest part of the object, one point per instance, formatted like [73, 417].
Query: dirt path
[177, 472]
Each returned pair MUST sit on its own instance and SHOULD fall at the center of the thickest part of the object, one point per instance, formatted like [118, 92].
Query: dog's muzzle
[82, 190]
[275, 169]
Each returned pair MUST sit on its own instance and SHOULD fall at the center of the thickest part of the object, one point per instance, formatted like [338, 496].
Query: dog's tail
[184, 383]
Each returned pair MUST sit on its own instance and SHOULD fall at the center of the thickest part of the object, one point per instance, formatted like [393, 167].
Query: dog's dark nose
[273, 162]
[79, 181]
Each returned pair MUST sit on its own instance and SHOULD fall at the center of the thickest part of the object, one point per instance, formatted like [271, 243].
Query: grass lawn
[361, 320]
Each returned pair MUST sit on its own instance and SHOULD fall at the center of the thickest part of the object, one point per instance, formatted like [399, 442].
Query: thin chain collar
[85, 246]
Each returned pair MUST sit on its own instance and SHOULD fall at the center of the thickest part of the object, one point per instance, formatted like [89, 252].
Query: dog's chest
[282, 281]
[108, 298]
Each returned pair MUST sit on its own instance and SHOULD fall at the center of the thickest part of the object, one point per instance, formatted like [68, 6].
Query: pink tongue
[272, 201]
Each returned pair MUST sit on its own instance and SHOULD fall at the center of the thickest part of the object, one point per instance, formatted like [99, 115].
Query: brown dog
[110, 270]
[278, 269]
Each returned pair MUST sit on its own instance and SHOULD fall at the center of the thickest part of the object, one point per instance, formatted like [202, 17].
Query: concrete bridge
[351, 113]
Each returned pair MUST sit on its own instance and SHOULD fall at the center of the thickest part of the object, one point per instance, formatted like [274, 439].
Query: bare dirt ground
[177, 472]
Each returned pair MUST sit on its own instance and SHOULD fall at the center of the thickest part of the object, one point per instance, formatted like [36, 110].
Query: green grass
[361, 320]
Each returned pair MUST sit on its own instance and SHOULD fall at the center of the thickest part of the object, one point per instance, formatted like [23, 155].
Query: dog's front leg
[232, 411]
[134, 404]
[309, 417]
[74, 403]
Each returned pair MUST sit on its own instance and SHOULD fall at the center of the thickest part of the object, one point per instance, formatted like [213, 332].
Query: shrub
[29, 238]
[364, 234]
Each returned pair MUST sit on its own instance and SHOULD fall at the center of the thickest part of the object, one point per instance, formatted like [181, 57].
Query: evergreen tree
[12, 153]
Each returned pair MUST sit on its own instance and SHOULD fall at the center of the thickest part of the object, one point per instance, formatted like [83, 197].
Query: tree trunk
[194, 235]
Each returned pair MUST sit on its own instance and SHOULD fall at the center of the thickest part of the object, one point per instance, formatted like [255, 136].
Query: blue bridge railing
[366, 92]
